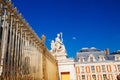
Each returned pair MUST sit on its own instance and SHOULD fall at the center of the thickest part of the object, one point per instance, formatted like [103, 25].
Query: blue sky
[84, 23]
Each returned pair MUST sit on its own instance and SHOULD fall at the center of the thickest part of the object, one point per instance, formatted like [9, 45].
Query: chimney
[106, 51]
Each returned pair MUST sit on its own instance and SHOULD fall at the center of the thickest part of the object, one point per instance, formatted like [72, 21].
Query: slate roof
[116, 52]
[112, 55]
[85, 52]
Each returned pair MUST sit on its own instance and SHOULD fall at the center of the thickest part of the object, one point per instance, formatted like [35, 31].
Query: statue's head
[52, 41]
[58, 35]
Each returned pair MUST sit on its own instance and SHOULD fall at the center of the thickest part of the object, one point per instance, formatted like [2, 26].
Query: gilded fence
[23, 55]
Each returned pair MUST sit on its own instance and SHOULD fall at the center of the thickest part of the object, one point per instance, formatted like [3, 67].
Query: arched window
[101, 58]
[81, 59]
[91, 58]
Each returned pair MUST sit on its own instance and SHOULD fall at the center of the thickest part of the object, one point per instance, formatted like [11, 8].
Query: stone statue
[58, 45]
[58, 41]
[59, 38]
[53, 45]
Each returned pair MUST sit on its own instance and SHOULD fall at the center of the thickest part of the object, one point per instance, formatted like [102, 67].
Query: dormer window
[81, 59]
[101, 58]
[117, 57]
[91, 58]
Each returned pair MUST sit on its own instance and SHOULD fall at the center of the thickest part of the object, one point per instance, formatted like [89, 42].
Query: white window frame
[103, 67]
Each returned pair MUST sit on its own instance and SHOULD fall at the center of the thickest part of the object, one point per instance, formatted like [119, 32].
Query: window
[104, 76]
[103, 67]
[91, 59]
[118, 67]
[82, 68]
[101, 58]
[81, 59]
[94, 77]
[117, 58]
[92, 68]
[65, 75]
[83, 77]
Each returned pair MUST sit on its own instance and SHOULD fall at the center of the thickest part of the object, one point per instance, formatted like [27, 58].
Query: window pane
[92, 68]
[91, 59]
[104, 76]
[94, 77]
[103, 67]
[118, 67]
[83, 77]
[82, 68]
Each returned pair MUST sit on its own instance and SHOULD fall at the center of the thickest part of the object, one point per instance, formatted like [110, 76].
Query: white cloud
[74, 38]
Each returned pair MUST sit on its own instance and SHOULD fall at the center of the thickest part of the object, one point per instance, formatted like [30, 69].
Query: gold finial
[43, 38]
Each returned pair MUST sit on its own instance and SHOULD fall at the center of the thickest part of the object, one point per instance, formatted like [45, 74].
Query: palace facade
[23, 55]
[95, 64]
[89, 64]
